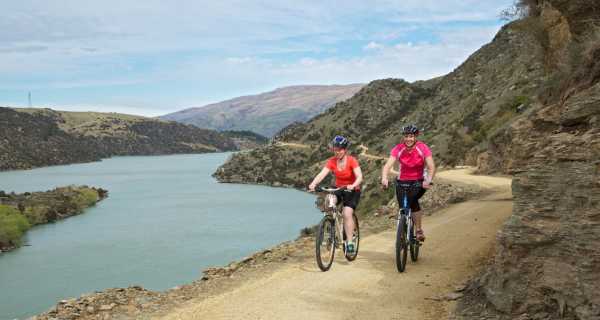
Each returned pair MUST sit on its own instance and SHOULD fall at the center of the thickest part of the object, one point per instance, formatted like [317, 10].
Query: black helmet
[410, 129]
[340, 142]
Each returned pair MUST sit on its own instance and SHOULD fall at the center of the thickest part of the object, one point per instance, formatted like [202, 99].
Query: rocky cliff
[268, 112]
[547, 264]
[40, 137]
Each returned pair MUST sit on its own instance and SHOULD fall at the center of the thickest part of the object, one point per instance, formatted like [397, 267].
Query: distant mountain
[41, 137]
[269, 112]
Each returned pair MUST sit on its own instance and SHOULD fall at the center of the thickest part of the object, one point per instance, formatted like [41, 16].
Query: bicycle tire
[357, 238]
[325, 240]
[401, 245]
[414, 245]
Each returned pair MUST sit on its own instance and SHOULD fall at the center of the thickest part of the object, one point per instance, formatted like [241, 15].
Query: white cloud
[373, 46]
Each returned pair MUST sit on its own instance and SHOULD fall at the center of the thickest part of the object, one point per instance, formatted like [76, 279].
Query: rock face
[547, 264]
[41, 137]
[268, 112]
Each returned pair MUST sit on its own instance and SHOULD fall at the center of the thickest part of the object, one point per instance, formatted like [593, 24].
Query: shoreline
[24, 211]
[134, 301]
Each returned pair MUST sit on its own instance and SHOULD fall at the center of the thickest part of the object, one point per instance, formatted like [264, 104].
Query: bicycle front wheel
[355, 239]
[325, 243]
[401, 245]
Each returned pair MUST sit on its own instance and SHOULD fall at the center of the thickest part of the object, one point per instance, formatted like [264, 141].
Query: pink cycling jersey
[412, 162]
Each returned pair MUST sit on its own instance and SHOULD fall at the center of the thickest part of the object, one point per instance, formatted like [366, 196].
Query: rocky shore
[136, 302]
[19, 212]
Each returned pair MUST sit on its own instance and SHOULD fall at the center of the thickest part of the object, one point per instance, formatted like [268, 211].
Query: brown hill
[268, 112]
[40, 137]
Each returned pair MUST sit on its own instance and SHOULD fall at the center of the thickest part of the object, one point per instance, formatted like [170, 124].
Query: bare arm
[386, 171]
[430, 171]
[318, 178]
[359, 178]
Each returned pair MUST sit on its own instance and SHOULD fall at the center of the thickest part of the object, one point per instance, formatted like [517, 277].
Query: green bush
[12, 225]
[85, 198]
[36, 214]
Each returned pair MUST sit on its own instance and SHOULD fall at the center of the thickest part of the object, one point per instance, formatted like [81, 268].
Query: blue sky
[154, 57]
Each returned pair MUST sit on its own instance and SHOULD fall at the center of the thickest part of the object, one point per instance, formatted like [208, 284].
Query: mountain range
[266, 113]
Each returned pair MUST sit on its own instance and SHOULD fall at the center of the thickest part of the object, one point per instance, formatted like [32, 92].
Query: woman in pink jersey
[412, 155]
[347, 176]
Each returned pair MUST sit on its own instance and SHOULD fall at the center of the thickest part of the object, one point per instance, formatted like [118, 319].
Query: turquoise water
[165, 220]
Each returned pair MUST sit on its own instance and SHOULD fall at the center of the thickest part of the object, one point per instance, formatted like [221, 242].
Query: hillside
[40, 137]
[268, 112]
[465, 114]
[527, 104]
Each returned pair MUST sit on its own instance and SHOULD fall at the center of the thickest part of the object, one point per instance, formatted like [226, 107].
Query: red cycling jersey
[344, 176]
[412, 162]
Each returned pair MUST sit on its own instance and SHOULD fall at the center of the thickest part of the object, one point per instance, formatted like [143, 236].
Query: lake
[165, 220]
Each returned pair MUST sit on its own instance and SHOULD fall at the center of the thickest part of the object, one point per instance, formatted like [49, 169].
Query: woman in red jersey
[412, 155]
[347, 176]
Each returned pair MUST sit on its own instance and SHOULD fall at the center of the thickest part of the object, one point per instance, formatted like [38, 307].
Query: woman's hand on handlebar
[384, 182]
[427, 184]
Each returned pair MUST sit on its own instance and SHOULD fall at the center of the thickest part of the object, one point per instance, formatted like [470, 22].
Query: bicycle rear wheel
[401, 245]
[414, 244]
[355, 239]
[325, 243]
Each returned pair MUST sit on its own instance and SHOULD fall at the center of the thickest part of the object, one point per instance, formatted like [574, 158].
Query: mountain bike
[331, 233]
[405, 231]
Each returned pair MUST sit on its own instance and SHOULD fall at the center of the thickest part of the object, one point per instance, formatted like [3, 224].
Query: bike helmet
[410, 129]
[340, 142]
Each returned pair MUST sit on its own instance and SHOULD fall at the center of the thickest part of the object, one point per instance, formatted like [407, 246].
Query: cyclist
[347, 176]
[412, 155]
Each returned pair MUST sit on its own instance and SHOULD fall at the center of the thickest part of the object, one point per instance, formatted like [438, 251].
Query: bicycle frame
[405, 209]
[337, 216]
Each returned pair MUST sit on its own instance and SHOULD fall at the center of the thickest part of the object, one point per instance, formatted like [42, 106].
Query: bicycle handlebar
[330, 190]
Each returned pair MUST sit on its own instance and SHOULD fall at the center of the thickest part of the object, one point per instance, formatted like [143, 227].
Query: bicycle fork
[339, 225]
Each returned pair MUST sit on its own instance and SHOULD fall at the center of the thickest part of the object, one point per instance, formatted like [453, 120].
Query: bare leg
[418, 216]
[348, 222]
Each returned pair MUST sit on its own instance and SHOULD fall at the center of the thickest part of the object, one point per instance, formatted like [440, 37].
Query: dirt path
[364, 152]
[459, 240]
[293, 145]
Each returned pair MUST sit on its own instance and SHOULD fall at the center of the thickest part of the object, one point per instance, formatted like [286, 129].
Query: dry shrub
[521, 9]
[584, 66]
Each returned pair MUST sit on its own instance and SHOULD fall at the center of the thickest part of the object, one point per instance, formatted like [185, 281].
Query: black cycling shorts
[414, 193]
[348, 199]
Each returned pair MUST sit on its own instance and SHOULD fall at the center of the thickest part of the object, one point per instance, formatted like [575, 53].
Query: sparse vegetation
[12, 226]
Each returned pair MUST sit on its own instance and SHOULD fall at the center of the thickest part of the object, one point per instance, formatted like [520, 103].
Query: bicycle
[405, 233]
[331, 233]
